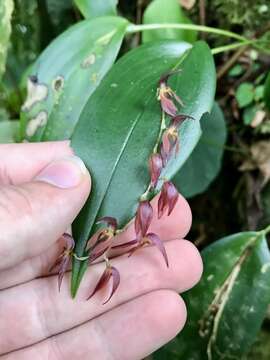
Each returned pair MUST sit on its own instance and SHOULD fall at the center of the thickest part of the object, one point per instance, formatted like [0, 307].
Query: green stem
[231, 46]
[266, 230]
[146, 27]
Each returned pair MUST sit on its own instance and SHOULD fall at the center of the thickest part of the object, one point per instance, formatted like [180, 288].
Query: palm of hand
[39, 323]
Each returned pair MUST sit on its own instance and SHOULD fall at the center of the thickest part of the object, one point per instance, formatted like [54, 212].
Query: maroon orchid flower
[109, 272]
[170, 138]
[167, 198]
[142, 222]
[155, 168]
[102, 242]
[63, 260]
[166, 95]
[169, 144]
[143, 218]
[156, 241]
[151, 239]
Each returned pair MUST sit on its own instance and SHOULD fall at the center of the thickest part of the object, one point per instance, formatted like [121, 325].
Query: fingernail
[64, 173]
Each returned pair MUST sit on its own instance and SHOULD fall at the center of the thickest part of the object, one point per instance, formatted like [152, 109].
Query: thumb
[35, 214]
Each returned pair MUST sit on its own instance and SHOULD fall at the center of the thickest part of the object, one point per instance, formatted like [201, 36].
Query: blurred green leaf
[204, 164]
[267, 92]
[244, 94]
[259, 91]
[167, 11]
[236, 70]
[249, 114]
[227, 307]
[95, 8]
[120, 124]
[66, 74]
[6, 8]
[8, 131]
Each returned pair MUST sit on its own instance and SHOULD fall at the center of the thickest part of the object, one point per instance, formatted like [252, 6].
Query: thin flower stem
[266, 230]
[132, 28]
[80, 258]
[232, 46]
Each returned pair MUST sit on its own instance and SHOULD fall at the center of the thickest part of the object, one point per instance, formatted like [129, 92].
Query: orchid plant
[99, 245]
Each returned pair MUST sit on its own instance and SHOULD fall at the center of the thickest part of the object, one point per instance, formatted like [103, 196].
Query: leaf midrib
[129, 134]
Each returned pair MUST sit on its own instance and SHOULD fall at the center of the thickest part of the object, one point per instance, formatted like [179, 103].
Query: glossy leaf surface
[66, 74]
[120, 124]
[204, 163]
[232, 297]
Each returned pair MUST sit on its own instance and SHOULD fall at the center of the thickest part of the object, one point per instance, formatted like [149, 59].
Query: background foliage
[226, 176]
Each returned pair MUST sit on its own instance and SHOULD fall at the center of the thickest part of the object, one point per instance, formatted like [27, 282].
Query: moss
[249, 15]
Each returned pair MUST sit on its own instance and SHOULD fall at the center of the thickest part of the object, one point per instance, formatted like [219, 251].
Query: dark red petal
[109, 221]
[155, 240]
[116, 281]
[127, 244]
[161, 202]
[133, 250]
[57, 263]
[165, 77]
[63, 266]
[163, 155]
[172, 195]
[143, 218]
[179, 119]
[165, 148]
[70, 243]
[155, 168]
[173, 138]
[168, 106]
[103, 281]
[96, 254]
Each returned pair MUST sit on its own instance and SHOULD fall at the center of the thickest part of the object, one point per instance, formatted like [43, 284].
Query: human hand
[42, 189]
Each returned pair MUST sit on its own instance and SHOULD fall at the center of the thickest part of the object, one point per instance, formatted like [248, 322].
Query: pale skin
[42, 189]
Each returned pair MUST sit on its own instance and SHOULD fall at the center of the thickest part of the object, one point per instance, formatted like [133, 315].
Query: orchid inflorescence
[102, 242]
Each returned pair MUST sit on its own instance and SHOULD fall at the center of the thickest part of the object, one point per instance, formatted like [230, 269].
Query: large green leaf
[227, 307]
[167, 11]
[96, 8]
[8, 131]
[6, 8]
[120, 123]
[204, 164]
[68, 72]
